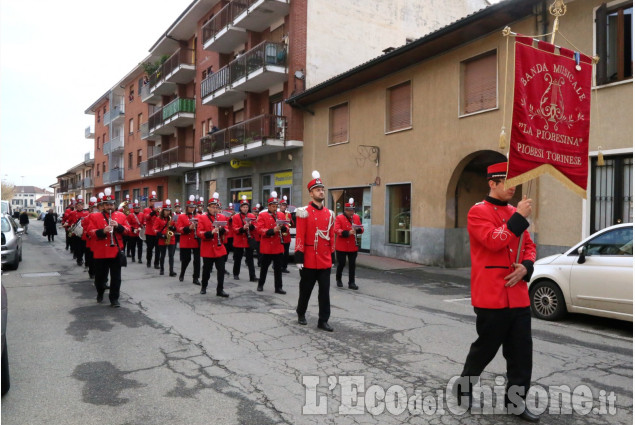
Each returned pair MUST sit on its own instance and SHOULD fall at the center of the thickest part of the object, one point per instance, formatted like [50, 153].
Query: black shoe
[285, 271]
[172, 274]
[203, 291]
[107, 287]
[259, 288]
[222, 294]
[148, 264]
[340, 284]
[226, 273]
[161, 272]
[281, 291]
[196, 281]
[115, 304]
[132, 259]
[253, 279]
[353, 286]
[157, 267]
[128, 255]
[301, 319]
[91, 276]
[139, 261]
[236, 277]
[325, 326]
[181, 278]
[100, 297]
[80, 263]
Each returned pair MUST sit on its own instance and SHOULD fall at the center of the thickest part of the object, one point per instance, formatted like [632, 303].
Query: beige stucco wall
[344, 34]
[427, 156]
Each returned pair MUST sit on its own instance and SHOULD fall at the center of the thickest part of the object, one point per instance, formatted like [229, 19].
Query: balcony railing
[114, 113]
[156, 119]
[143, 168]
[116, 144]
[216, 81]
[217, 23]
[87, 182]
[261, 14]
[171, 158]
[89, 133]
[178, 105]
[113, 176]
[255, 130]
[179, 58]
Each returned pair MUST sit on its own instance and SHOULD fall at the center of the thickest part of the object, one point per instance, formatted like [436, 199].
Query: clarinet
[248, 231]
[112, 232]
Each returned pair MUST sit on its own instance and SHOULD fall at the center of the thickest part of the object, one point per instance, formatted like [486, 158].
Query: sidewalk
[387, 263]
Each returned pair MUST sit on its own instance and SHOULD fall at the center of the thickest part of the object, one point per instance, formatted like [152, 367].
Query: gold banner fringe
[546, 169]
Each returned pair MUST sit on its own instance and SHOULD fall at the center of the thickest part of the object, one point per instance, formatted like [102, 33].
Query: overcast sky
[56, 59]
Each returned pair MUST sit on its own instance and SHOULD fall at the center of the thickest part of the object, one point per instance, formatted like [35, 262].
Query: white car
[593, 277]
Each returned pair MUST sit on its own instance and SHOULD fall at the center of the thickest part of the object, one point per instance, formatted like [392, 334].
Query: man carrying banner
[502, 255]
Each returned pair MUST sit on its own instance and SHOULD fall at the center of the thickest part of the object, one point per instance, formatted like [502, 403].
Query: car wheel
[547, 301]
[6, 383]
[16, 262]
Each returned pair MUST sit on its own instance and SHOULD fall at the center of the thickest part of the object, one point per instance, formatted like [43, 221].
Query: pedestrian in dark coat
[24, 222]
[50, 225]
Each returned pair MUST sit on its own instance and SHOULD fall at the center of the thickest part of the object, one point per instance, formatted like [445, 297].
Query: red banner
[550, 123]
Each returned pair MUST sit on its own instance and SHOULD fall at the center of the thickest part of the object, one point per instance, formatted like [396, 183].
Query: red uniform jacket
[135, 221]
[269, 241]
[66, 216]
[161, 227]
[494, 235]
[241, 238]
[209, 245]
[148, 221]
[188, 237]
[101, 247]
[342, 223]
[314, 236]
[286, 237]
[230, 227]
[87, 224]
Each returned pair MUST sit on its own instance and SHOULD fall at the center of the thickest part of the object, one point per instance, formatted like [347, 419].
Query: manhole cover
[47, 274]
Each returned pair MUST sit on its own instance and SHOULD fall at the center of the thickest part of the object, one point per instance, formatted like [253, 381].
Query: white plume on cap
[245, 197]
[136, 201]
[201, 199]
[191, 198]
[350, 200]
[168, 202]
[154, 193]
[127, 196]
[101, 194]
[107, 191]
[215, 196]
[315, 174]
[274, 194]
[230, 205]
[284, 197]
[72, 199]
[93, 199]
[176, 201]
[257, 205]
[79, 197]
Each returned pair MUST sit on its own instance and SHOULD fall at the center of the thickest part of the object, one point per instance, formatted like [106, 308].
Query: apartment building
[206, 111]
[77, 180]
[26, 198]
[409, 134]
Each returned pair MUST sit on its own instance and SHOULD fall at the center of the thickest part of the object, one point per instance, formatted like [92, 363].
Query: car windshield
[615, 242]
[6, 227]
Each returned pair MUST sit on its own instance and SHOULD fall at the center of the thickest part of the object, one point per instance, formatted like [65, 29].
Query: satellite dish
[299, 75]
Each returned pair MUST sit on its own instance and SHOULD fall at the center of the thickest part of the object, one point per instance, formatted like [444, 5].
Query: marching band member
[255, 242]
[244, 228]
[314, 249]
[175, 216]
[79, 243]
[65, 217]
[199, 206]
[135, 220]
[90, 261]
[149, 214]
[107, 229]
[212, 248]
[286, 236]
[346, 243]
[271, 243]
[165, 228]
[186, 225]
[229, 236]
[125, 210]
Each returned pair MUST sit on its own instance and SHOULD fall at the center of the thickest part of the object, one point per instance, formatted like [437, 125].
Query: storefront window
[281, 182]
[399, 214]
[239, 187]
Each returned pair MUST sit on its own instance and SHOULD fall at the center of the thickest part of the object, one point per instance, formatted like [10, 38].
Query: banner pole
[520, 241]
[557, 9]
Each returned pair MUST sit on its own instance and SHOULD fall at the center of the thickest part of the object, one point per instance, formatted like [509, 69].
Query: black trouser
[151, 242]
[208, 263]
[229, 246]
[90, 261]
[186, 256]
[79, 247]
[285, 258]
[308, 277]
[124, 240]
[511, 328]
[255, 245]
[161, 250]
[68, 241]
[341, 263]
[51, 237]
[249, 259]
[277, 269]
[133, 244]
[102, 267]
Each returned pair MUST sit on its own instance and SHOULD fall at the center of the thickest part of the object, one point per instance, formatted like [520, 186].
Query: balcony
[219, 35]
[89, 133]
[146, 134]
[255, 137]
[87, 183]
[173, 161]
[258, 15]
[159, 86]
[179, 112]
[114, 114]
[143, 169]
[116, 144]
[180, 68]
[216, 89]
[113, 176]
[148, 96]
[260, 68]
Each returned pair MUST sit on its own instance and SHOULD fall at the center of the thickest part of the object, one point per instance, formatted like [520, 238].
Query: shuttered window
[399, 107]
[338, 124]
[479, 83]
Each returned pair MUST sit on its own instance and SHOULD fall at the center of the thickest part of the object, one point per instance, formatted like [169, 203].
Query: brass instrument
[112, 231]
[218, 225]
[194, 221]
[124, 206]
[170, 233]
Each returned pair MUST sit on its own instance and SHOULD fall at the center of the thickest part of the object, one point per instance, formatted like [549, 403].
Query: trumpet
[112, 230]
[124, 206]
[194, 221]
[170, 233]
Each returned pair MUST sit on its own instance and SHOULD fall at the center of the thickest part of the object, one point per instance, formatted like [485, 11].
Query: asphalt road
[171, 355]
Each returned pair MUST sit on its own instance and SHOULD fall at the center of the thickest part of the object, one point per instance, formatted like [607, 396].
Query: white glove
[300, 266]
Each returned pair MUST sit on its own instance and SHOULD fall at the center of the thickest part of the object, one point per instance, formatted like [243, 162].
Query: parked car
[593, 277]
[11, 242]
[6, 208]
[6, 383]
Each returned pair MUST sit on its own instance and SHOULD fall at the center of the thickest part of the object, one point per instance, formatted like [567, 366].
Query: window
[614, 38]
[130, 160]
[160, 193]
[135, 194]
[338, 124]
[139, 85]
[275, 104]
[614, 242]
[139, 119]
[479, 83]
[98, 171]
[103, 167]
[131, 126]
[131, 94]
[239, 187]
[104, 138]
[204, 128]
[239, 116]
[611, 192]
[98, 142]
[139, 157]
[399, 214]
[145, 196]
[399, 107]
